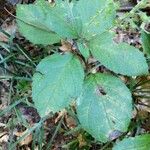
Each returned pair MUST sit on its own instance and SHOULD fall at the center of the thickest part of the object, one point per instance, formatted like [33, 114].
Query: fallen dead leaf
[4, 137]
[82, 141]
[10, 29]
[144, 106]
[142, 114]
[70, 122]
[66, 46]
[29, 113]
[62, 113]
[14, 2]
[27, 140]
[2, 125]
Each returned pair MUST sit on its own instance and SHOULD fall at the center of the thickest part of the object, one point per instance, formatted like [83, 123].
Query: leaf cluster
[104, 103]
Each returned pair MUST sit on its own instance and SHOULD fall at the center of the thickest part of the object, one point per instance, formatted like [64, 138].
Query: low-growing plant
[103, 101]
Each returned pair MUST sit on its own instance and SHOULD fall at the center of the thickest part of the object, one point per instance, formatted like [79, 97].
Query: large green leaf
[104, 107]
[44, 20]
[141, 142]
[57, 81]
[31, 23]
[146, 42]
[68, 19]
[96, 16]
[120, 58]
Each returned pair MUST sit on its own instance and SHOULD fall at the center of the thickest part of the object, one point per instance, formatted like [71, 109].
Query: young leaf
[146, 42]
[120, 58]
[141, 142]
[96, 16]
[84, 50]
[32, 24]
[57, 81]
[104, 107]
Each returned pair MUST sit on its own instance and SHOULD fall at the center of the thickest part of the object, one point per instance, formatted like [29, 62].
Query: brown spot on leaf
[100, 91]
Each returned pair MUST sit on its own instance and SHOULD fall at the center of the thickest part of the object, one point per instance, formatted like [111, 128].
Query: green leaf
[68, 19]
[58, 80]
[31, 21]
[120, 58]
[84, 50]
[44, 20]
[96, 16]
[104, 107]
[61, 19]
[146, 42]
[141, 142]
